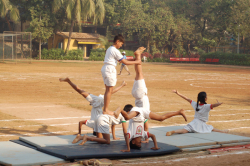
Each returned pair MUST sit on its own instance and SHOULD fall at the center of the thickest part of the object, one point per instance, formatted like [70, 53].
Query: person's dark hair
[133, 146]
[127, 107]
[201, 98]
[119, 37]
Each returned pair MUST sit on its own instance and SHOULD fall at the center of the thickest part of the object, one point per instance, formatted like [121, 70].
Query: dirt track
[33, 102]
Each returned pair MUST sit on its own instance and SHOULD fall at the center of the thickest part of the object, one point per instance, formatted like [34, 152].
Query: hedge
[59, 54]
[227, 58]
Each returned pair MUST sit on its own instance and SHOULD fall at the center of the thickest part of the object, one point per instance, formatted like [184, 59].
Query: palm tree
[5, 7]
[79, 10]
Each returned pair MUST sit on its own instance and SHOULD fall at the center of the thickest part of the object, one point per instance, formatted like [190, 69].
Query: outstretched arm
[119, 87]
[216, 104]
[127, 143]
[154, 140]
[184, 97]
[126, 62]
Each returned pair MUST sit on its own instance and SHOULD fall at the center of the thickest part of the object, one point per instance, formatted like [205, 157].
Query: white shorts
[109, 75]
[95, 101]
[90, 123]
[102, 124]
[146, 113]
[125, 67]
[139, 92]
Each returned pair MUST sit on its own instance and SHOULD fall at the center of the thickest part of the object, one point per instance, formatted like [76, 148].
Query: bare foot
[181, 112]
[170, 133]
[124, 83]
[84, 140]
[64, 79]
[117, 112]
[225, 131]
[138, 52]
[77, 139]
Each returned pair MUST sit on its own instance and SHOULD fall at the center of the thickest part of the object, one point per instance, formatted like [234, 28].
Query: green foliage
[97, 55]
[207, 42]
[40, 26]
[227, 58]
[58, 54]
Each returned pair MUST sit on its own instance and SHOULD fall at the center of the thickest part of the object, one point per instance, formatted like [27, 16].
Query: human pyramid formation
[137, 130]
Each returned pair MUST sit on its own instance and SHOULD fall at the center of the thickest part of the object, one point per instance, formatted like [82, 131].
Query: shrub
[97, 54]
[157, 55]
[227, 58]
[54, 53]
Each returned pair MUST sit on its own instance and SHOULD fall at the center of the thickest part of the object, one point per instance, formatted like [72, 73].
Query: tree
[40, 26]
[79, 10]
[5, 8]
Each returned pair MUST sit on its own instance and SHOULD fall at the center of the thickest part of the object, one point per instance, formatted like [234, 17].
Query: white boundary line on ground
[65, 124]
[46, 118]
[27, 134]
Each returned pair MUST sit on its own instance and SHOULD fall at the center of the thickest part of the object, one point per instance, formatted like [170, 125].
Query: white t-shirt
[143, 114]
[203, 113]
[136, 129]
[97, 103]
[112, 56]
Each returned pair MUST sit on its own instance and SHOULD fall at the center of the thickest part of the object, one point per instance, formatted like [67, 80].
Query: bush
[97, 54]
[54, 53]
[58, 54]
[227, 58]
[157, 55]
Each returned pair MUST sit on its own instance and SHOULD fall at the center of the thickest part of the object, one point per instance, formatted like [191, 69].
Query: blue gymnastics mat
[14, 154]
[112, 151]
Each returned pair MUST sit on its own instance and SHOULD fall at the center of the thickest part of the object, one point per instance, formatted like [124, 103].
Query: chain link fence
[15, 46]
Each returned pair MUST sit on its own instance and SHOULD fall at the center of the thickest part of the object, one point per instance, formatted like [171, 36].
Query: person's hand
[146, 141]
[175, 91]
[116, 138]
[218, 102]
[155, 148]
[125, 150]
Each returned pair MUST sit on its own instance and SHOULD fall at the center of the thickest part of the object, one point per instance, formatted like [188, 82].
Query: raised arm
[216, 104]
[182, 96]
[119, 87]
[126, 62]
[154, 140]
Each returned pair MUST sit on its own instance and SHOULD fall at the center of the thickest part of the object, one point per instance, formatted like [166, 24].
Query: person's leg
[107, 98]
[157, 117]
[180, 131]
[138, 68]
[80, 91]
[221, 131]
[121, 69]
[104, 140]
[79, 131]
[126, 68]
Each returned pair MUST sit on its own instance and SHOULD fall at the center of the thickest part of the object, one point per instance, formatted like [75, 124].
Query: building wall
[58, 39]
[73, 44]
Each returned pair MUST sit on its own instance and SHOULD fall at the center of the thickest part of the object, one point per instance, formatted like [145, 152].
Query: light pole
[238, 45]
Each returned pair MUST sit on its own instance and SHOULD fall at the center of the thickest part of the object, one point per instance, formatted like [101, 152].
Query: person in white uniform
[96, 102]
[102, 126]
[202, 109]
[136, 131]
[109, 69]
